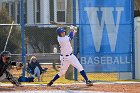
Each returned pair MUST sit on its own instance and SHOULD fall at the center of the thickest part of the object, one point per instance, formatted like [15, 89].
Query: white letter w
[108, 20]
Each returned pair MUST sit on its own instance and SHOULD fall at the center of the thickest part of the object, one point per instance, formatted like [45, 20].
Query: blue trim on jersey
[71, 35]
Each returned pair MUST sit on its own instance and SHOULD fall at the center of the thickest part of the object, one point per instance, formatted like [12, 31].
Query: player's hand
[73, 28]
[19, 65]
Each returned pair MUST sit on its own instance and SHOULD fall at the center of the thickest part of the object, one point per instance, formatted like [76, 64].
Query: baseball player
[5, 65]
[67, 57]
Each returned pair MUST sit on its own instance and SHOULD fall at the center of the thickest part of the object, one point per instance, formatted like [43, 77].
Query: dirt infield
[66, 85]
[123, 87]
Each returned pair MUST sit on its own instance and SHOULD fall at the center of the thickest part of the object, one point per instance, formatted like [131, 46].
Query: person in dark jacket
[5, 65]
[35, 68]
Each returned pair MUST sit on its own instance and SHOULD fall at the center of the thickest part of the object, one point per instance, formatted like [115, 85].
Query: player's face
[34, 60]
[5, 59]
[63, 34]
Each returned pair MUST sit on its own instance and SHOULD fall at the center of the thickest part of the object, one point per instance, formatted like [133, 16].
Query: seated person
[35, 68]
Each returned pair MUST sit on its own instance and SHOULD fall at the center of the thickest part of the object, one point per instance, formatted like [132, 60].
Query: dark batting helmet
[6, 53]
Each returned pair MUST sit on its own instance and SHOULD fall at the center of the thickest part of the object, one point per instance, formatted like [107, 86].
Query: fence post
[133, 40]
[69, 73]
[137, 48]
[22, 33]
[75, 38]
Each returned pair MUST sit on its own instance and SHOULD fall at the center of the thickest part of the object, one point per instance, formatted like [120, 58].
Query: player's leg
[64, 66]
[37, 73]
[12, 79]
[62, 72]
[75, 62]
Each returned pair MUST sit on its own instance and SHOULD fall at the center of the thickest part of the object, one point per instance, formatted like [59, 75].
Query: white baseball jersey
[65, 45]
[66, 57]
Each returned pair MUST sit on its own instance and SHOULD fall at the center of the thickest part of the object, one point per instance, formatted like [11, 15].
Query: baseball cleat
[89, 83]
[50, 83]
[17, 85]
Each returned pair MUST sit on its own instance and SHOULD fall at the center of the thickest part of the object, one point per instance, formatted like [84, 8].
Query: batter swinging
[66, 56]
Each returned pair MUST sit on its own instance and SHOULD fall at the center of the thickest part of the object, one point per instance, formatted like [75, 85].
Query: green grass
[92, 76]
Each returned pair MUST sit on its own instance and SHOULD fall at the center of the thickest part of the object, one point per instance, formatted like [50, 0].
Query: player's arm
[19, 65]
[71, 35]
[73, 30]
[13, 63]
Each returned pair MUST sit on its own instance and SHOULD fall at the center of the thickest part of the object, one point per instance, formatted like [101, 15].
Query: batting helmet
[60, 30]
[6, 53]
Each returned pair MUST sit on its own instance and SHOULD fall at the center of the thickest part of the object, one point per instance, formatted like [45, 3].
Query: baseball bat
[8, 35]
[57, 24]
[60, 25]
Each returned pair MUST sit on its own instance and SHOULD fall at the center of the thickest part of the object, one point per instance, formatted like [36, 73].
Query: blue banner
[105, 35]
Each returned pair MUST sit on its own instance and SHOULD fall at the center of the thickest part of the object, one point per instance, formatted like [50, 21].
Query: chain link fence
[40, 36]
